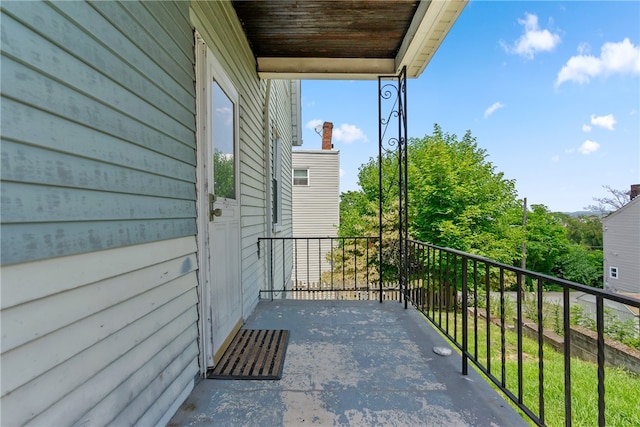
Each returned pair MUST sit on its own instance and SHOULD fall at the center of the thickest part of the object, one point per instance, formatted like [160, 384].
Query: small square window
[301, 177]
[613, 272]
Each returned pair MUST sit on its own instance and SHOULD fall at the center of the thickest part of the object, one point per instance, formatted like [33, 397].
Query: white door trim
[209, 68]
[202, 202]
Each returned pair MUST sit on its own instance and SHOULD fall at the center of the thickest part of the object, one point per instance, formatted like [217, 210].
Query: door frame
[204, 55]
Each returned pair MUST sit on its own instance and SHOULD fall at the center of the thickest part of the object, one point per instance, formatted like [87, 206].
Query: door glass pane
[224, 165]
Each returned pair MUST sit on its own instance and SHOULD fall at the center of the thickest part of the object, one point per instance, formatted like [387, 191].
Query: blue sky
[551, 90]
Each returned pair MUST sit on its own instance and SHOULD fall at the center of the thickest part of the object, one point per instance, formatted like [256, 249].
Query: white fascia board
[429, 27]
[323, 68]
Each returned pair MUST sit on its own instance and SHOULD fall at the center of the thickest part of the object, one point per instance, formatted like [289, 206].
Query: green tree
[581, 265]
[456, 198]
[356, 212]
[583, 230]
[565, 246]
[459, 200]
[224, 173]
[546, 240]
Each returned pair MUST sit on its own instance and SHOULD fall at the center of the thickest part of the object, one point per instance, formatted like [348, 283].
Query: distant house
[315, 203]
[621, 241]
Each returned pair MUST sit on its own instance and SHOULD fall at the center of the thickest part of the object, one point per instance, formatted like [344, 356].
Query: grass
[621, 387]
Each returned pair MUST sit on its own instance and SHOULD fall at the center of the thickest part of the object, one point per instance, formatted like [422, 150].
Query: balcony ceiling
[347, 39]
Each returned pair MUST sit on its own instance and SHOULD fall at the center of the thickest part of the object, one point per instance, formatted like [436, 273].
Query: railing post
[487, 288]
[600, 329]
[271, 268]
[540, 355]
[567, 357]
[503, 337]
[465, 318]
[519, 297]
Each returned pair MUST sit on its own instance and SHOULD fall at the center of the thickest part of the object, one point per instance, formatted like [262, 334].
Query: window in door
[223, 126]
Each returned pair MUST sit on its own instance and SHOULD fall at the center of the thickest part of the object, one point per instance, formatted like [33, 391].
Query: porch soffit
[344, 39]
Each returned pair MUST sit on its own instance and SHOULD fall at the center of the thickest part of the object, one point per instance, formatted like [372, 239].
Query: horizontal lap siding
[316, 209]
[97, 105]
[99, 301]
[218, 25]
[621, 239]
[86, 352]
[281, 120]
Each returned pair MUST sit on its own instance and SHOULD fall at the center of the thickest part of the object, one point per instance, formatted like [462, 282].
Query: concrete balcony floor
[355, 363]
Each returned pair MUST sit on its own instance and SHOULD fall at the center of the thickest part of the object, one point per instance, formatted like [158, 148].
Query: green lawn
[622, 389]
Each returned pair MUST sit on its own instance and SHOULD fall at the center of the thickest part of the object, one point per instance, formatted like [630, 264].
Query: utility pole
[523, 262]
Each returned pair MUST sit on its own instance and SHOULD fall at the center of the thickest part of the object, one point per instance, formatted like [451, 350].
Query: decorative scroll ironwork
[392, 133]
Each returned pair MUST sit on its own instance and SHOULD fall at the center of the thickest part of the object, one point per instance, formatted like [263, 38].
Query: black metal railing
[487, 309]
[471, 300]
[325, 268]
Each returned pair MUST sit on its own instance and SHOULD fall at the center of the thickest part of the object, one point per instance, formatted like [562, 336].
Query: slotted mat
[254, 354]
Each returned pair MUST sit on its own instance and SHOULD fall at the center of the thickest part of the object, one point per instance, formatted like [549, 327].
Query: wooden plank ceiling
[326, 29]
[344, 38]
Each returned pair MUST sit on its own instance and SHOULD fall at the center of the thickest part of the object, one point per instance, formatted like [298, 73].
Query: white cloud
[225, 114]
[489, 111]
[615, 58]
[555, 159]
[311, 124]
[588, 147]
[584, 48]
[534, 39]
[586, 128]
[342, 172]
[606, 122]
[348, 133]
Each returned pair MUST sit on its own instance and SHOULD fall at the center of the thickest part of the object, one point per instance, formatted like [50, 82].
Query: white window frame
[614, 273]
[293, 177]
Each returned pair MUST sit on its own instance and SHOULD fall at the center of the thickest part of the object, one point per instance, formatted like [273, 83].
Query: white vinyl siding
[81, 170]
[99, 252]
[621, 241]
[316, 207]
[87, 342]
[217, 23]
[99, 301]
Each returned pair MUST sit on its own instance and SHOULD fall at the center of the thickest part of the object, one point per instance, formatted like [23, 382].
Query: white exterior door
[219, 224]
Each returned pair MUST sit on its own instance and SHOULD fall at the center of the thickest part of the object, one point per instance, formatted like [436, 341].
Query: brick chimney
[635, 191]
[327, 131]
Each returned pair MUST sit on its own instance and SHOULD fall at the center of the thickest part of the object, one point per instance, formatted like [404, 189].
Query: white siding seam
[100, 413]
[114, 294]
[63, 274]
[168, 397]
[43, 363]
[174, 135]
[63, 410]
[117, 24]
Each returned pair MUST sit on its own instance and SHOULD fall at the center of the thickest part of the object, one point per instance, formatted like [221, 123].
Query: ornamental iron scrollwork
[392, 144]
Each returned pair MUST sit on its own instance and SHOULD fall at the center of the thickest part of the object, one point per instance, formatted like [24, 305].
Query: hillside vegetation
[458, 199]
